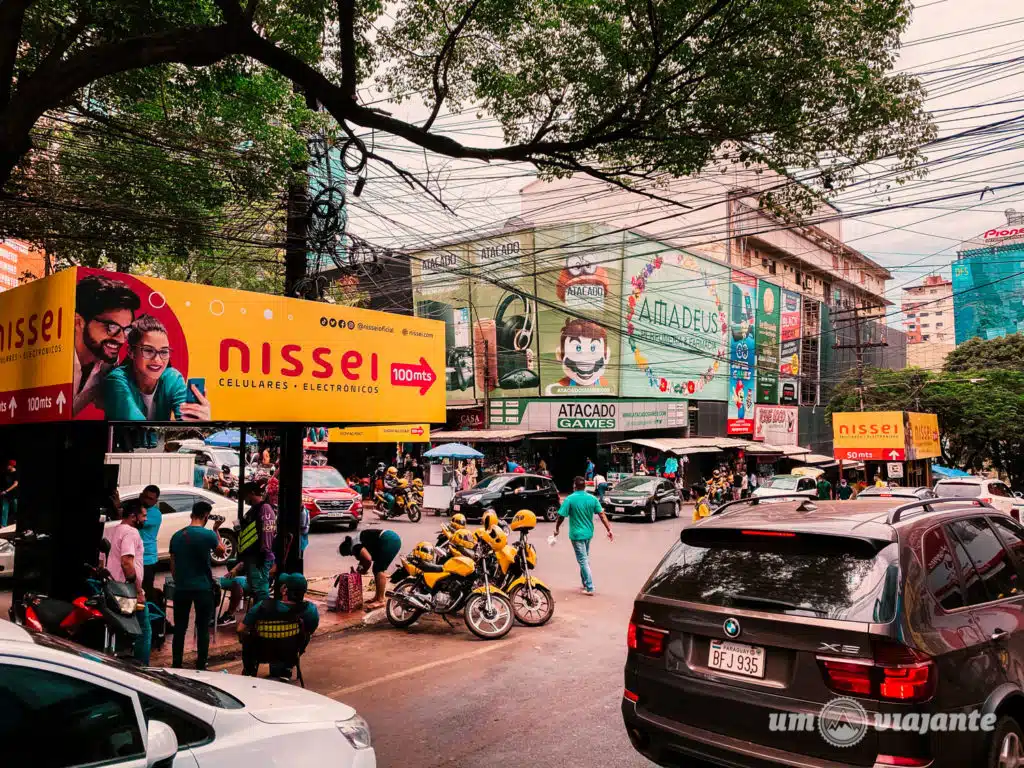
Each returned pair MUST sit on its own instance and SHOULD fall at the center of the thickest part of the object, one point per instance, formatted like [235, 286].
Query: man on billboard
[104, 311]
[583, 353]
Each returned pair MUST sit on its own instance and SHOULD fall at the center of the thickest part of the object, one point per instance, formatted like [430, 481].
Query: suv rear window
[806, 575]
[958, 490]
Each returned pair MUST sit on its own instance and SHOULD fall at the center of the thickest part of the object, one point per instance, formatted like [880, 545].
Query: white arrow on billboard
[894, 454]
[12, 405]
[60, 401]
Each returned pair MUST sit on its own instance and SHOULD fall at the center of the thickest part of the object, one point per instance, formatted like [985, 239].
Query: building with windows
[988, 282]
[929, 321]
[19, 263]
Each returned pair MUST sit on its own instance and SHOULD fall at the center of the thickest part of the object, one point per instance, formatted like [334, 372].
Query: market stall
[439, 488]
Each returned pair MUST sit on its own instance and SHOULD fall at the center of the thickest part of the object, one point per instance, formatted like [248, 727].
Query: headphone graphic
[515, 333]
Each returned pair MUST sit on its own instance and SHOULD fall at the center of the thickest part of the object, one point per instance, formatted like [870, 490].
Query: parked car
[176, 507]
[76, 707]
[507, 493]
[884, 605]
[914, 492]
[994, 492]
[784, 485]
[329, 499]
[646, 497]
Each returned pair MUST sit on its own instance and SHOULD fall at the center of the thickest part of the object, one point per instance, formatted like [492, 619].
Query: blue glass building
[988, 288]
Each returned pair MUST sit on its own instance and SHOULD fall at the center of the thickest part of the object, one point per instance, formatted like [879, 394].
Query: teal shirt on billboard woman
[123, 400]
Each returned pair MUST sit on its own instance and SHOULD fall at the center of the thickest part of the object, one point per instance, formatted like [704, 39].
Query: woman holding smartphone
[146, 387]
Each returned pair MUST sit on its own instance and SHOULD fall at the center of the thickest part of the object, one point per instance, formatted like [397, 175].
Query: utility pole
[858, 346]
[487, 385]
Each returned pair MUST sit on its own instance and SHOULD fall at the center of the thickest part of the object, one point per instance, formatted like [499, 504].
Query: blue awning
[938, 469]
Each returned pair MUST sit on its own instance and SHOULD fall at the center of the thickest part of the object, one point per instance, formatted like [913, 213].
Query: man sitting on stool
[291, 605]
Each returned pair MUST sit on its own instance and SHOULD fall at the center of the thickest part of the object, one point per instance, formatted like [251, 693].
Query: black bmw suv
[792, 632]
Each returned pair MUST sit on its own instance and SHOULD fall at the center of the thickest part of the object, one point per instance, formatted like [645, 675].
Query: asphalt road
[548, 696]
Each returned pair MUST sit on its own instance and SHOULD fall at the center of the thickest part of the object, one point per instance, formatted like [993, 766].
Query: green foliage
[976, 354]
[979, 410]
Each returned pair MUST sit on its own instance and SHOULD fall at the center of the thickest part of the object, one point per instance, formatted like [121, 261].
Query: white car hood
[270, 701]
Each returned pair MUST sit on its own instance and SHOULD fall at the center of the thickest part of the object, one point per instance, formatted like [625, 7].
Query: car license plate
[620, 509]
[736, 658]
[330, 514]
[456, 507]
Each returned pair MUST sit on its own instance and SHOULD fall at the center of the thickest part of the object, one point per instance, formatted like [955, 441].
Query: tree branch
[63, 42]
[347, 35]
[12, 15]
[410, 178]
[443, 62]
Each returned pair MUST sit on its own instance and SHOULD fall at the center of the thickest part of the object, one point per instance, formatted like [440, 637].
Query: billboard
[776, 424]
[582, 415]
[676, 340]
[743, 353]
[789, 352]
[923, 436]
[875, 436]
[505, 335]
[381, 433]
[578, 282]
[118, 347]
[766, 339]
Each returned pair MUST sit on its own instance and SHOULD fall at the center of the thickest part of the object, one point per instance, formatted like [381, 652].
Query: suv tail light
[646, 640]
[986, 499]
[897, 673]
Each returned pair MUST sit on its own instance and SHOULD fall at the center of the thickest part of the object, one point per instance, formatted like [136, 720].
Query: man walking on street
[580, 507]
[150, 497]
[9, 495]
[824, 489]
[191, 548]
[256, 541]
[124, 562]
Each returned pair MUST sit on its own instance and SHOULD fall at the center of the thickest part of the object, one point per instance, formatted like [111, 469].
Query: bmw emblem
[732, 628]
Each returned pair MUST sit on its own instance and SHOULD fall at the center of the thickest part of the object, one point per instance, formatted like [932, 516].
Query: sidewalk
[224, 643]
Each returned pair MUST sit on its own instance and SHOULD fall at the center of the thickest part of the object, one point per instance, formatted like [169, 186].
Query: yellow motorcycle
[509, 565]
[445, 588]
[404, 503]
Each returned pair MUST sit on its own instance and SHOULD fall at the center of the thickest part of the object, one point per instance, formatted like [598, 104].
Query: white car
[786, 485]
[176, 505]
[995, 492]
[75, 707]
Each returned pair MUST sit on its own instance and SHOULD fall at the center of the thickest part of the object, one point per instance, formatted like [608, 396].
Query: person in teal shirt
[191, 548]
[150, 532]
[146, 387]
[292, 603]
[580, 507]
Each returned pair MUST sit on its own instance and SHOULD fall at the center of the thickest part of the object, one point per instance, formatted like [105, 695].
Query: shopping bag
[347, 593]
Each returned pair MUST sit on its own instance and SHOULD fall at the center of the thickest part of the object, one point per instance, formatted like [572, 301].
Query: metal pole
[243, 435]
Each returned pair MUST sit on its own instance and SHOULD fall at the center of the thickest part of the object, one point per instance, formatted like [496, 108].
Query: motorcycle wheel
[493, 624]
[414, 513]
[400, 615]
[535, 613]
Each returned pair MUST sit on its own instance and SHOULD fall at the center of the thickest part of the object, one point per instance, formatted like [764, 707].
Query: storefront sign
[876, 436]
[743, 354]
[776, 424]
[769, 311]
[465, 418]
[789, 353]
[674, 312]
[894, 470]
[923, 436]
[88, 344]
[587, 415]
[381, 433]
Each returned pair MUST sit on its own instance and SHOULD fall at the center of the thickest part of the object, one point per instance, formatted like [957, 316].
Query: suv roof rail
[897, 514]
[755, 500]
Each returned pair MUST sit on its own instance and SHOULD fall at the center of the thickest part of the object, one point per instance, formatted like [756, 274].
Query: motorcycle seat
[425, 566]
[52, 612]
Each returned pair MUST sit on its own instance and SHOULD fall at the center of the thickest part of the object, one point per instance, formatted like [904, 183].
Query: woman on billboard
[146, 387]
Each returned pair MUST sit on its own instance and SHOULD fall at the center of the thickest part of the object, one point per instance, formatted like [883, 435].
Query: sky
[969, 54]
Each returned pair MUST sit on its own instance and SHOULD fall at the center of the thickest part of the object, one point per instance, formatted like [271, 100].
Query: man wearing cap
[292, 604]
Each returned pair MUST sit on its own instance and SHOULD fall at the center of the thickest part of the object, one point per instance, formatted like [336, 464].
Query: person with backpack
[291, 604]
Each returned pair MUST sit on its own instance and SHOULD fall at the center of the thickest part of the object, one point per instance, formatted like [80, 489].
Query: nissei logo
[853, 430]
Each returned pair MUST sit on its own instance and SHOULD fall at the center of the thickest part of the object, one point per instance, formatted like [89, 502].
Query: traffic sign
[895, 470]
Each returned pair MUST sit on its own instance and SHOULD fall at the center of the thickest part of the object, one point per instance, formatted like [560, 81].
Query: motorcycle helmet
[392, 471]
[424, 551]
[381, 467]
[458, 521]
[417, 482]
[494, 536]
[403, 483]
[524, 520]
[490, 518]
[464, 540]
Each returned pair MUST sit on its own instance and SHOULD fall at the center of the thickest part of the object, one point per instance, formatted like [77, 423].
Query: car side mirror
[1018, 495]
[161, 743]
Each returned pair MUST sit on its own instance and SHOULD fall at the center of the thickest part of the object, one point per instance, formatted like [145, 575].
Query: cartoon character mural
[583, 353]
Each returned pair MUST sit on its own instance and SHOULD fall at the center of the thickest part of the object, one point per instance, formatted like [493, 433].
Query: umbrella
[229, 438]
[453, 451]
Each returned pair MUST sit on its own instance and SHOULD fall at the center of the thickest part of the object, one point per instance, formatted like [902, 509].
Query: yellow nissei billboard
[125, 348]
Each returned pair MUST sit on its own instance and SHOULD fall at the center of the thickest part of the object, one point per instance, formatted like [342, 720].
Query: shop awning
[781, 450]
[481, 435]
[684, 446]
[817, 458]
